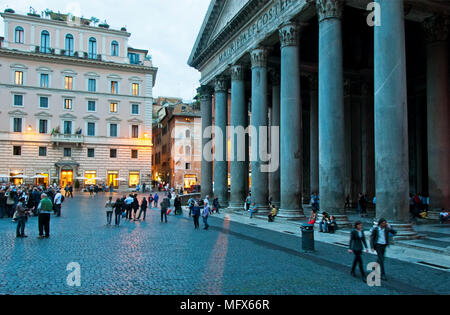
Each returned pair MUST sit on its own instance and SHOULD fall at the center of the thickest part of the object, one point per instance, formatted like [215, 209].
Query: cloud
[167, 28]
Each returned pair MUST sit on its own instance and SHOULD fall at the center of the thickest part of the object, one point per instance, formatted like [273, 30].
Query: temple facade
[359, 90]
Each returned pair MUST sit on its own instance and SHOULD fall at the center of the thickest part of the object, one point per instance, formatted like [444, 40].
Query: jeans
[323, 226]
[381, 251]
[205, 221]
[143, 210]
[44, 224]
[358, 261]
[163, 215]
[58, 210]
[196, 223]
[21, 221]
[118, 216]
[109, 217]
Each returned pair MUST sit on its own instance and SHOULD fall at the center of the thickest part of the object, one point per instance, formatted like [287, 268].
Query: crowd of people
[21, 202]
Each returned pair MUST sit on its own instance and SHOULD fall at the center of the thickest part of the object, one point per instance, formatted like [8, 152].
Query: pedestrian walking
[379, 241]
[253, 210]
[57, 201]
[191, 204]
[45, 210]
[135, 206]
[128, 206]
[144, 205]
[177, 205]
[21, 215]
[109, 210]
[357, 244]
[196, 215]
[71, 190]
[164, 206]
[205, 215]
[156, 199]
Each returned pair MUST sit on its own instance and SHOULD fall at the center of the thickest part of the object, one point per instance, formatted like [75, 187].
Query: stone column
[314, 134]
[291, 124]
[260, 109]
[239, 119]
[221, 146]
[331, 110]
[275, 122]
[391, 121]
[438, 112]
[367, 157]
[207, 164]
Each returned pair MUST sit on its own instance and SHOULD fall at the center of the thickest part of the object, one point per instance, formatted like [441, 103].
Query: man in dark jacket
[164, 206]
[379, 241]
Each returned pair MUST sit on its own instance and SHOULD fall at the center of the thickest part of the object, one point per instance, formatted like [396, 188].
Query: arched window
[188, 134]
[188, 150]
[19, 35]
[45, 42]
[69, 45]
[92, 48]
[114, 49]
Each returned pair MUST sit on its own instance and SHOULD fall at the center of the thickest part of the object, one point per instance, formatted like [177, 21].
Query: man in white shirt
[379, 241]
[444, 216]
[57, 201]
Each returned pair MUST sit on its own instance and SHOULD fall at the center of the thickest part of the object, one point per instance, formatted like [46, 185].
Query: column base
[234, 206]
[263, 211]
[405, 231]
[291, 214]
[277, 204]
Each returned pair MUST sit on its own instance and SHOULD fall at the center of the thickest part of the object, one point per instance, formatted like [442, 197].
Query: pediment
[135, 121]
[43, 115]
[113, 119]
[229, 10]
[68, 116]
[18, 113]
[91, 117]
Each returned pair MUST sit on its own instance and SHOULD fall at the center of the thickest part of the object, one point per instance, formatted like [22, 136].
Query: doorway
[66, 178]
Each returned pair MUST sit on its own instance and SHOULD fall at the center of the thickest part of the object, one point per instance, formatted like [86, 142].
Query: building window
[135, 89]
[188, 166]
[18, 100]
[135, 109]
[134, 179]
[43, 126]
[42, 151]
[91, 153]
[17, 125]
[113, 153]
[114, 87]
[43, 102]
[44, 80]
[188, 150]
[17, 150]
[68, 102]
[67, 127]
[68, 83]
[113, 108]
[67, 152]
[135, 131]
[91, 106]
[19, 35]
[45, 42]
[91, 129]
[18, 78]
[92, 85]
[134, 154]
[114, 49]
[69, 45]
[113, 130]
[92, 48]
[188, 134]
[134, 58]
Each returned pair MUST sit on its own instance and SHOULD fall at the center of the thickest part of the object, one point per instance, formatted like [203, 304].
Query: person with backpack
[109, 210]
[57, 201]
[144, 206]
[21, 215]
[205, 215]
[118, 209]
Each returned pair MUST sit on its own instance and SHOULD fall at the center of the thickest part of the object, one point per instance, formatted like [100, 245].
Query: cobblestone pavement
[154, 258]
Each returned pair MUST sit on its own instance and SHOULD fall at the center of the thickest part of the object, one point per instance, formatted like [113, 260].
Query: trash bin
[307, 237]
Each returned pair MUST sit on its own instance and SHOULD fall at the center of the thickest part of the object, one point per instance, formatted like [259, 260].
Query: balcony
[65, 139]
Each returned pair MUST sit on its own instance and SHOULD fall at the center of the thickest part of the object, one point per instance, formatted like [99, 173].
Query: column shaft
[314, 133]
[275, 122]
[207, 164]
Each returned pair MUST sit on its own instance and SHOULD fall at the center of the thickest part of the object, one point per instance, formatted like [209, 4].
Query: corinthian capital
[237, 72]
[436, 28]
[205, 92]
[329, 9]
[289, 34]
[259, 57]
[221, 84]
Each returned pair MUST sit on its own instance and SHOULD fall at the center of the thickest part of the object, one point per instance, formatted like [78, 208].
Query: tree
[94, 20]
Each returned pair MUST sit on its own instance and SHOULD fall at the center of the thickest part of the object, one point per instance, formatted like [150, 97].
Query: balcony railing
[67, 139]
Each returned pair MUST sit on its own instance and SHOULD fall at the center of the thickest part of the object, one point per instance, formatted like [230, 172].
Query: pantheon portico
[361, 102]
